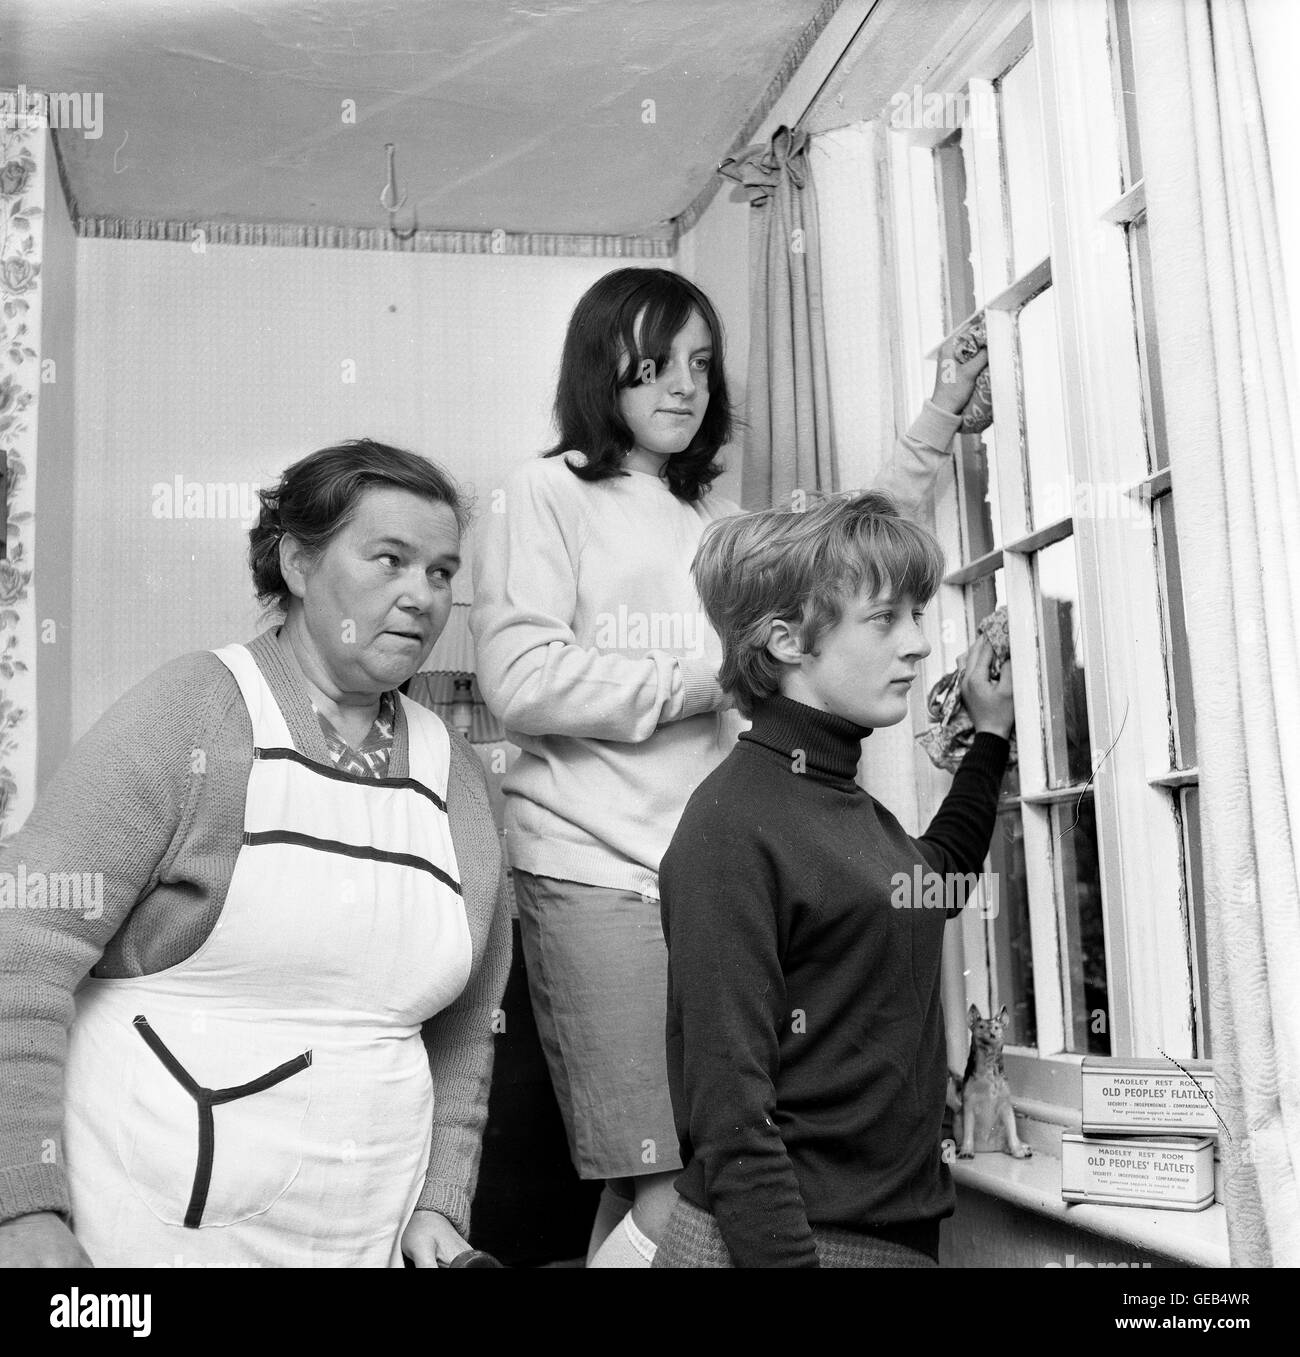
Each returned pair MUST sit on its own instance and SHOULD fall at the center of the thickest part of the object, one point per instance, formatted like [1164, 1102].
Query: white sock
[609, 1212]
[626, 1246]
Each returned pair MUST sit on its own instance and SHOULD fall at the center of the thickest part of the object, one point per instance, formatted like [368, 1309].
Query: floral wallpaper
[21, 189]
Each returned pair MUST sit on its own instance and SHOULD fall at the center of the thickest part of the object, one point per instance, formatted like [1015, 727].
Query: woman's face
[665, 410]
[376, 599]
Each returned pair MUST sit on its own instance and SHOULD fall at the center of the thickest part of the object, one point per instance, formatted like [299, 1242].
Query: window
[1154, 491]
[1023, 211]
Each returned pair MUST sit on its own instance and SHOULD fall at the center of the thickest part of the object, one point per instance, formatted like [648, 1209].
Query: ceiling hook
[388, 198]
[402, 235]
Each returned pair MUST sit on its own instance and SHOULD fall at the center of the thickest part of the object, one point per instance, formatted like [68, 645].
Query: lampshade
[447, 686]
[439, 693]
[453, 652]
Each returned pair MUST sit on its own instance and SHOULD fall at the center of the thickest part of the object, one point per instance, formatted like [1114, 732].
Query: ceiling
[523, 115]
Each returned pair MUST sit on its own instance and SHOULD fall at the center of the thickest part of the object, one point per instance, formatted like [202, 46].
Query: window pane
[958, 285]
[1153, 409]
[1022, 145]
[1013, 958]
[1050, 495]
[1125, 87]
[1079, 923]
[978, 487]
[983, 597]
[1191, 814]
[975, 463]
[1177, 655]
[1065, 702]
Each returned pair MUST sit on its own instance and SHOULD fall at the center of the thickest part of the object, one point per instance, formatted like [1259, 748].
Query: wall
[225, 365]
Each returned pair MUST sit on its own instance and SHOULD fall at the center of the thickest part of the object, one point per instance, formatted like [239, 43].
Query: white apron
[267, 1101]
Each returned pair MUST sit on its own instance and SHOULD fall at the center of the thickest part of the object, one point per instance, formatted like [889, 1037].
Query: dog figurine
[983, 1118]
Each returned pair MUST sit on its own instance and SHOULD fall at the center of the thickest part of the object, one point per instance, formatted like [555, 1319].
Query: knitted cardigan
[153, 798]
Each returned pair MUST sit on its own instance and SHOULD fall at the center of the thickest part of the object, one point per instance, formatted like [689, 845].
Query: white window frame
[1139, 854]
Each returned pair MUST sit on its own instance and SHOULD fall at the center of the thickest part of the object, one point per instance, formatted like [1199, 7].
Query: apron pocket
[211, 1155]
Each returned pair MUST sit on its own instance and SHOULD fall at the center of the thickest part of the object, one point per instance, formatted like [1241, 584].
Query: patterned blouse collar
[371, 758]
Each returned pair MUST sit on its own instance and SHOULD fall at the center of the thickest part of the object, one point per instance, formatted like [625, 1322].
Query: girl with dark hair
[593, 650]
[603, 385]
[267, 1040]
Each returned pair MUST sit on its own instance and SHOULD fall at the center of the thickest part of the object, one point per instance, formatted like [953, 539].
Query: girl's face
[665, 409]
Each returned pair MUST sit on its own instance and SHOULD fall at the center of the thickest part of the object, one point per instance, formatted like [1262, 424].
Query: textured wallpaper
[200, 374]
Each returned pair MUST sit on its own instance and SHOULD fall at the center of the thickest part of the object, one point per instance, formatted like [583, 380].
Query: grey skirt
[598, 981]
[694, 1240]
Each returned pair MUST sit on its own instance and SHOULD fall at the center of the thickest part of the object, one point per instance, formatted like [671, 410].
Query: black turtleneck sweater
[806, 1052]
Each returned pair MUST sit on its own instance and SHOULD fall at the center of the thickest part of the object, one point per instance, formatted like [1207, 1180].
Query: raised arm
[921, 452]
[533, 673]
[957, 839]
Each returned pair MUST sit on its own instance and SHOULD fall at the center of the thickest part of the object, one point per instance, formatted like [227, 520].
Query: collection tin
[1144, 1097]
[1174, 1173]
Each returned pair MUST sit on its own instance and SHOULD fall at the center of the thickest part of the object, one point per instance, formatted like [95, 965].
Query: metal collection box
[1144, 1097]
[1175, 1173]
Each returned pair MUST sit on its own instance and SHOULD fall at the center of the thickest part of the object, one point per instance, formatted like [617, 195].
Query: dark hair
[318, 496]
[602, 356]
[753, 569]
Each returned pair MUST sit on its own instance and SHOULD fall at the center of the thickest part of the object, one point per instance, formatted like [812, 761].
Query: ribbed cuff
[933, 426]
[29, 1188]
[448, 1200]
[988, 754]
[700, 691]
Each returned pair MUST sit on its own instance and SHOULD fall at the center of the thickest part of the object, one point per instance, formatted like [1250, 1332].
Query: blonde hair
[754, 569]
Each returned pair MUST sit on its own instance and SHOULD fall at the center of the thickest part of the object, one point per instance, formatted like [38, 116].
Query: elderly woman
[269, 1042]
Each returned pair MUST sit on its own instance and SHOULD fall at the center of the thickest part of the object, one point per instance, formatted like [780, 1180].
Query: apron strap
[270, 730]
[428, 745]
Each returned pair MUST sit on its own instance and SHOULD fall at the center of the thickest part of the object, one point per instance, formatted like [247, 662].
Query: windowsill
[1047, 1103]
[1196, 1238]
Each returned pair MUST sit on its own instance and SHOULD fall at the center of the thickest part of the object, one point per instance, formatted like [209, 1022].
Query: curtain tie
[760, 168]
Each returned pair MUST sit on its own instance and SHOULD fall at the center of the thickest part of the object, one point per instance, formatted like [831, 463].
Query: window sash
[1137, 829]
[1138, 833]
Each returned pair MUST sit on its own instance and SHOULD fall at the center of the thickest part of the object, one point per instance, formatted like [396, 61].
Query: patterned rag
[953, 732]
[979, 409]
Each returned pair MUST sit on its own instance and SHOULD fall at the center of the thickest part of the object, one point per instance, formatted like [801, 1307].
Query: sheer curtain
[1230, 396]
[859, 318]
